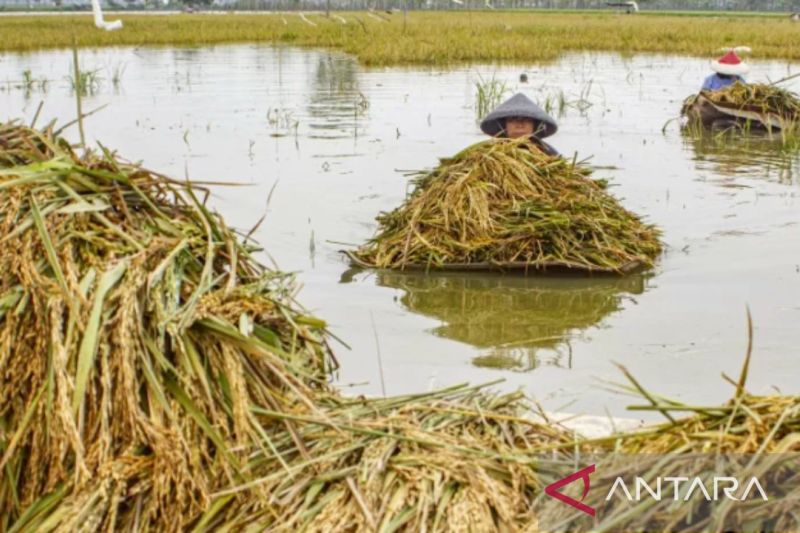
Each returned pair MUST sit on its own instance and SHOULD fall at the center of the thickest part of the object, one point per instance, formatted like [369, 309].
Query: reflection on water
[335, 101]
[517, 322]
[730, 154]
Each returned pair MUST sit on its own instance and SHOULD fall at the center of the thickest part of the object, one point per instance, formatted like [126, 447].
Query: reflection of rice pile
[489, 311]
[754, 97]
[155, 377]
[504, 202]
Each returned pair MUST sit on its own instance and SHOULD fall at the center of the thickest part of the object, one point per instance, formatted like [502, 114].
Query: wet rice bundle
[760, 105]
[452, 460]
[154, 376]
[135, 331]
[504, 203]
[759, 97]
[747, 436]
[746, 424]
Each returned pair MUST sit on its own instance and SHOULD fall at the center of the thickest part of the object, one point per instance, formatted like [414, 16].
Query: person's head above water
[518, 117]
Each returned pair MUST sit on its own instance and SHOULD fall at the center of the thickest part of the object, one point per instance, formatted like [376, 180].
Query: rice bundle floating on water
[765, 106]
[504, 204]
[153, 376]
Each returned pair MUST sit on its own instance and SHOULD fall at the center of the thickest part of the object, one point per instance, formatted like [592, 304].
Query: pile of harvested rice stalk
[757, 97]
[136, 331]
[154, 376]
[746, 424]
[747, 436]
[505, 203]
[761, 97]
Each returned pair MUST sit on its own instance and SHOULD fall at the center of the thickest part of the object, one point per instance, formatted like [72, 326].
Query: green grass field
[429, 38]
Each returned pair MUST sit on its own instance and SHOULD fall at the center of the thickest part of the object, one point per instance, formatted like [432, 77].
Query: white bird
[100, 22]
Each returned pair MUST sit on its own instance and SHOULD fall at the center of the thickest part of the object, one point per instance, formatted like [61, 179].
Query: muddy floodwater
[319, 145]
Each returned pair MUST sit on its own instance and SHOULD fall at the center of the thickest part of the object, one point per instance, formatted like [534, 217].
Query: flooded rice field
[318, 145]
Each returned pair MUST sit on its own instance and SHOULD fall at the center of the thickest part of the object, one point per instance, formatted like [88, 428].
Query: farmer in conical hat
[728, 69]
[520, 117]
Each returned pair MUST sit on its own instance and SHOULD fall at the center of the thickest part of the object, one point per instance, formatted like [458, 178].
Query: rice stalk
[155, 376]
[759, 97]
[504, 202]
[167, 381]
[748, 107]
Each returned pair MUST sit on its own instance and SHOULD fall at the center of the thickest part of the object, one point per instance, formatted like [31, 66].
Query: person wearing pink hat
[728, 70]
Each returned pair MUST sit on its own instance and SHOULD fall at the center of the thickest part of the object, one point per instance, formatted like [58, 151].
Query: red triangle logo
[553, 490]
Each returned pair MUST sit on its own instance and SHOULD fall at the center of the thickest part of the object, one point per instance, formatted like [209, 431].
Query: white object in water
[589, 426]
[737, 49]
[100, 22]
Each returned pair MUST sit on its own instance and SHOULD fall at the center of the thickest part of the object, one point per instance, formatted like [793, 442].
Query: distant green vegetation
[431, 38]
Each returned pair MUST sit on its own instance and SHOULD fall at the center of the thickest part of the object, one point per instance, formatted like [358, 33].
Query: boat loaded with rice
[749, 106]
[505, 205]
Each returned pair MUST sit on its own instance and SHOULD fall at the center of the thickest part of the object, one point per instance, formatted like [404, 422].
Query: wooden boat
[520, 266]
[701, 109]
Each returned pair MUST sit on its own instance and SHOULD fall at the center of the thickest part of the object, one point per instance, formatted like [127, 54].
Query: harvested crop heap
[748, 437]
[752, 435]
[756, 97]
[505, 202]
[154, 376]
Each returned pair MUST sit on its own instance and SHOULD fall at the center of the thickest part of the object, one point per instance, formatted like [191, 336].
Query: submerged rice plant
[85, 82]
[117, 72]
[29, 82]
[489, 94]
